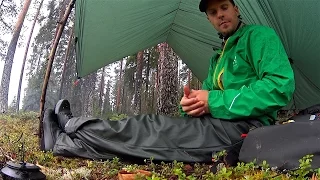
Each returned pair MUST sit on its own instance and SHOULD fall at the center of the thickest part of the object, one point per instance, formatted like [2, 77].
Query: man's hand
[202, 96]
[191, 104]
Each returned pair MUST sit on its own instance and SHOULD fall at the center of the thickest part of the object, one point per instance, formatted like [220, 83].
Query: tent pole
[50, 59]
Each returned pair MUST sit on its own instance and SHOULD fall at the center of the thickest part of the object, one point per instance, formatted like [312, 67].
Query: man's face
[223, 16]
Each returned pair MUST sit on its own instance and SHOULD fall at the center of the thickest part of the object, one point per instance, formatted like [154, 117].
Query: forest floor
[18, 128]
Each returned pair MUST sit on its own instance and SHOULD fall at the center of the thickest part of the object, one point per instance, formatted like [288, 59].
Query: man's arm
[274, 89]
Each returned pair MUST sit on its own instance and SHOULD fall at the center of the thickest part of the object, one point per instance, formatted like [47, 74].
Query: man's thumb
[186, 90]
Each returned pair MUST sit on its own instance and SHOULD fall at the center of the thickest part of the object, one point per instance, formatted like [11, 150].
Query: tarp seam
[175, 16]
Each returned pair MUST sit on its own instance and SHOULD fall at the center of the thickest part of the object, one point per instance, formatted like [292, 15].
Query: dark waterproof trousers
[162, 138]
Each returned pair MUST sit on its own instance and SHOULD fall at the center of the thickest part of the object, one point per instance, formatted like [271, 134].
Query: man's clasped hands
[195, 102]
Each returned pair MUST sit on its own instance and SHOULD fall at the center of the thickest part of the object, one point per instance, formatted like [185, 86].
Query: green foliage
[179, 171]
[224, 173]
[264, 166]
[304, 167]
[242, 168]
[55, 167]
[13, 105]
[29, 115]
[219, 155]
[116, 117]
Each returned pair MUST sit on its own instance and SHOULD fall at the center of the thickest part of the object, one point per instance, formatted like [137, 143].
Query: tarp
[108, 30]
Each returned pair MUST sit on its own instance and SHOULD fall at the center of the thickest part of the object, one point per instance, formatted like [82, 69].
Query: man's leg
[72, 147]
[160, 137]
[51, 130]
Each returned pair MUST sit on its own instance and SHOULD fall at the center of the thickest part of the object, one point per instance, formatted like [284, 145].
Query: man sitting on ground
[248, 81]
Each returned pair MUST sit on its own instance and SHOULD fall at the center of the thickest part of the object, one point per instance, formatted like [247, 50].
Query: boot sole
[58, 105]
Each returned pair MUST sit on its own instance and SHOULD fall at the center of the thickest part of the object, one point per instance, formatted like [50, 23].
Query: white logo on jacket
[235, 63]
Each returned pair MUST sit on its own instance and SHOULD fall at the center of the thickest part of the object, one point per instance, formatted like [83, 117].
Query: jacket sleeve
[273, 90]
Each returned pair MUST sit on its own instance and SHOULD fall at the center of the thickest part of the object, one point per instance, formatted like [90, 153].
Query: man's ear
[237, 10]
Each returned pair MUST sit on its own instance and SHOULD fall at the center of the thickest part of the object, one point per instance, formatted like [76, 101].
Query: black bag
[283, 145]
[311, 110]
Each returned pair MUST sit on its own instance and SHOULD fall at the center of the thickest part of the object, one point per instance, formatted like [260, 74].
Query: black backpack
[283, 145]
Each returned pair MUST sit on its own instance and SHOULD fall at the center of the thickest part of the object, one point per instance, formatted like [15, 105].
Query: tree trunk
[106, 103]
[138, 83]
[49, 65]
[147, 75]
[65, 64]
[26, 53]
[38, 63]
[119, 86]
[101, 92]
[1, 4]
[154, 81]
[124, 105]
[146, 103]
[156, 92]
[5, 81]
[76, 101]
[161, 54]
[168, 78]
[88, 94]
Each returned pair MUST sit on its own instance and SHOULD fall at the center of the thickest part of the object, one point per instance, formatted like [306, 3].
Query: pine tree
[88, 91]
[33, 90]
[13, 105]
[5, 81]
[101, 91]
[119, 87]
[25, 55]
[8, 13]
[138, 84]
[65, 62]
[168, 81]
[107, 109]
[129, 82]
[38, 63]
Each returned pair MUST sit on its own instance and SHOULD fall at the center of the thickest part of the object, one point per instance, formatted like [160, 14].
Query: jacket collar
[233, 39]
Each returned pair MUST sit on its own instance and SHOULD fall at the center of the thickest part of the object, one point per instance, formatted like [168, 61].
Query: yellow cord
[214, 74]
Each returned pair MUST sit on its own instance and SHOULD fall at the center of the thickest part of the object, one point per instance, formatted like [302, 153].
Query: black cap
[203, 5]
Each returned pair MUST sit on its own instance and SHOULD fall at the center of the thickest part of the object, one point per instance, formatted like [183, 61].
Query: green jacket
[251, 77]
